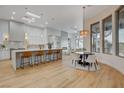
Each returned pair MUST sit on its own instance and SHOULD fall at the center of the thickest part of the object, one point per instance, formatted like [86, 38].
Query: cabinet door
[4, 55]
[7, 55]
[16, 31]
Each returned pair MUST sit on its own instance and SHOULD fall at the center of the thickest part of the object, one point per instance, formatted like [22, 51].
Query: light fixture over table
[83, 32]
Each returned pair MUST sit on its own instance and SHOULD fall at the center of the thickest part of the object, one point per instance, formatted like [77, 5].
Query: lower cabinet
[4, 54]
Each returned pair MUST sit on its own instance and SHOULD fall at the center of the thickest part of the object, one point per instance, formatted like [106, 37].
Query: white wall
[111, 60]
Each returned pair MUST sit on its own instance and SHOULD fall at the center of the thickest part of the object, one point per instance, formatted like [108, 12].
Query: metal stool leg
[95, 66]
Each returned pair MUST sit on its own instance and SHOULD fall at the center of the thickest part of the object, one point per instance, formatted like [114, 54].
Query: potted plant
[84, 49]
[3, 46]
[50, 45]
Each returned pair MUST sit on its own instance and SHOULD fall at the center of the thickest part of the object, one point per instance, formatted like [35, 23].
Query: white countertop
[32, 50]
[83, 52]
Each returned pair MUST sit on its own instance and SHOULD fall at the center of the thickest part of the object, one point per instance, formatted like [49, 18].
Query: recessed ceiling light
[53, 18]
[46, 23]
[33, 18]
[25, 18]
[75, 27]
[42, 25]
[42, 14]
[13, 12]
[32, 15]
[12, 17]
[75, 31]
[29, 21]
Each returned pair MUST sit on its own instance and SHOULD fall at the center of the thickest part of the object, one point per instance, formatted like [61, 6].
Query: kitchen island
[16, 56]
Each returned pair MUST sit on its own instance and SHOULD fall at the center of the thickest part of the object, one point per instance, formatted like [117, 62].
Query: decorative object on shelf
[6, 37]
[84, 49]
[83, 32]
[40, 47]
[2, 46]
[50, 45]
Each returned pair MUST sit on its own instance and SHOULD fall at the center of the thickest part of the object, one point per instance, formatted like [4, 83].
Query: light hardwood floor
[58, 75]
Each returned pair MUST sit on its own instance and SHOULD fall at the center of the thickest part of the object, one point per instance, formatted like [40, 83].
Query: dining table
[84, 55]
[83, 60]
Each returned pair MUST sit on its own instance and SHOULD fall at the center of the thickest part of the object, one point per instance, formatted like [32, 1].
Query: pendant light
[83, 32]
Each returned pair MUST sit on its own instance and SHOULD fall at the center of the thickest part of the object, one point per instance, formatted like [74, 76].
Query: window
[95, 37]
[79, 43]
[121, 32]
[107, 35]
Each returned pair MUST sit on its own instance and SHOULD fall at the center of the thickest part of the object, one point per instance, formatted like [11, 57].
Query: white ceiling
[61, 17]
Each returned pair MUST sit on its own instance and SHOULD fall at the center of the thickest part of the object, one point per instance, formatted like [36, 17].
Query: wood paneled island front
[16, 56]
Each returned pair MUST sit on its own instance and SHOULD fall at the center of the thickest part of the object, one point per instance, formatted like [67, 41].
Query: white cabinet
[4, 54]
[35, 35]
[16, 31]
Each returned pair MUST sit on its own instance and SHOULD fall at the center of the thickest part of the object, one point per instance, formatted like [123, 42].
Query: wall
[111, 60]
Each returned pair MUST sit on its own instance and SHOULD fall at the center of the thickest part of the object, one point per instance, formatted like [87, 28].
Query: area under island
[16, 56]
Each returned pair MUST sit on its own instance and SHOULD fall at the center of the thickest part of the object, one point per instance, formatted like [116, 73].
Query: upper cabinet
[35, 35]
[3, 30]
[17, 31]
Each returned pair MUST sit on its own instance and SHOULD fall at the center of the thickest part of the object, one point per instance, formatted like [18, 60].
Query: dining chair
[76, 59]
[99, 60]
[90, 61]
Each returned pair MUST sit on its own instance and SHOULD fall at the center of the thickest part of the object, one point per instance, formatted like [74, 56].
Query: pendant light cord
[84, 18]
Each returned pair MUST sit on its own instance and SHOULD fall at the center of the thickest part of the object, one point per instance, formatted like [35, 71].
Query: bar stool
[39, 56]
[26, 56]
[54, 55]
[58, 54]
[49, 55]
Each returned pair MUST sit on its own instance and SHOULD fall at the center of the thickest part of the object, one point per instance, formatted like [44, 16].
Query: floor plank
[58, 74]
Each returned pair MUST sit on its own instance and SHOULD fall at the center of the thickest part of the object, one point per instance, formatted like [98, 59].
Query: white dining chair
[76, 58]
[99, 58]
[91, 60]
